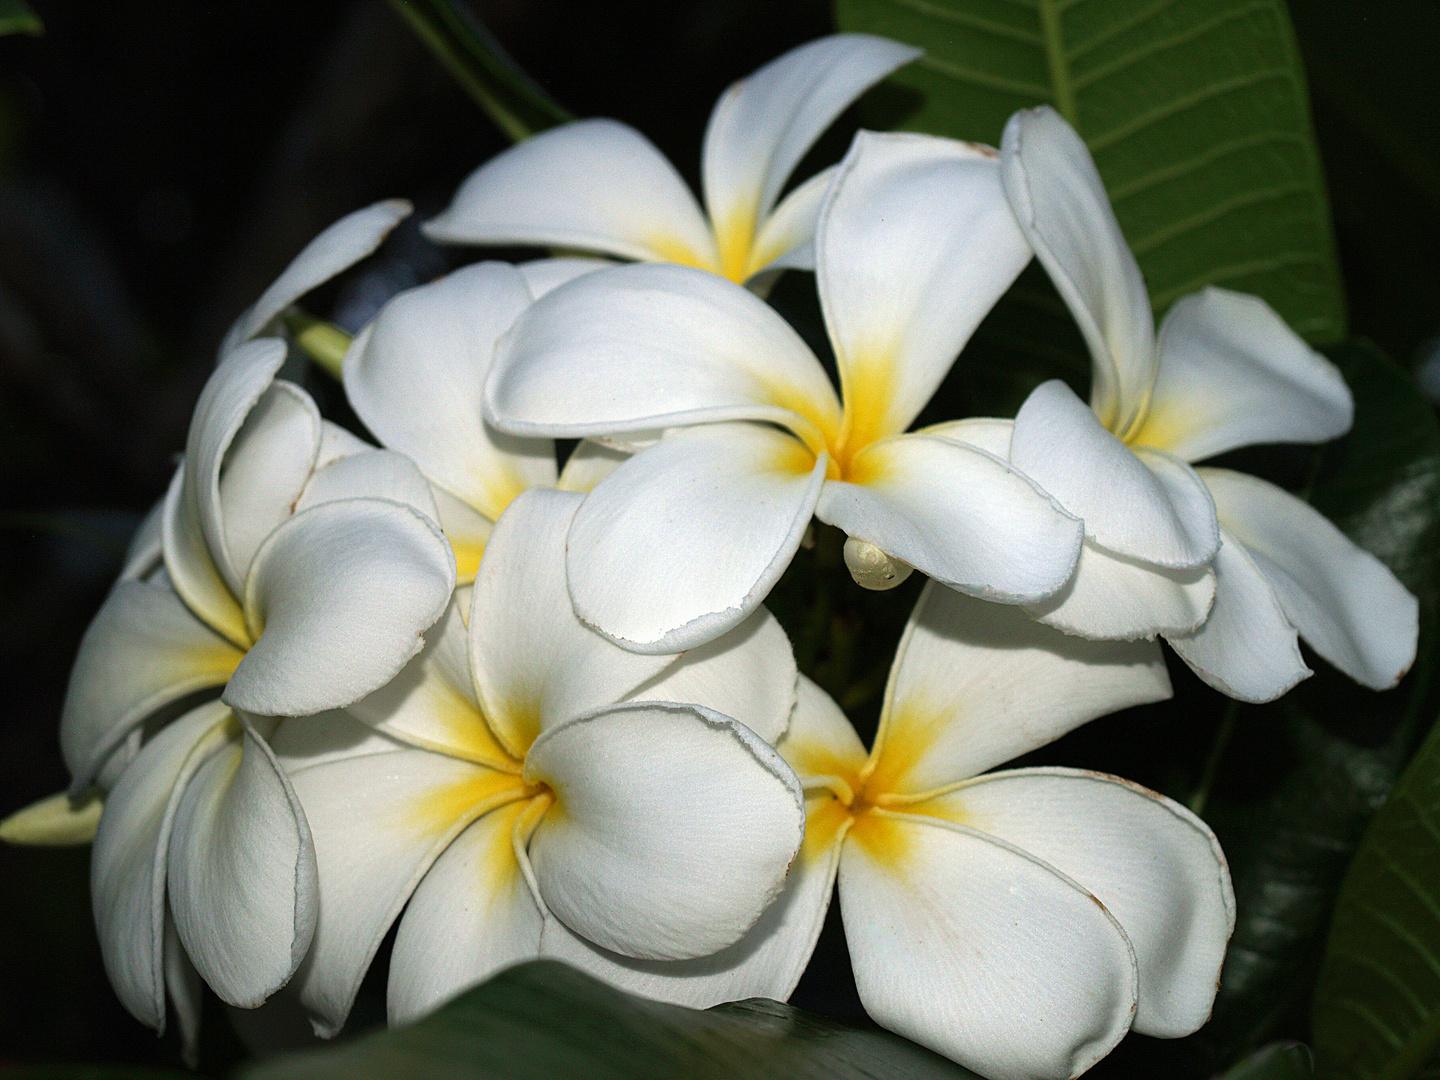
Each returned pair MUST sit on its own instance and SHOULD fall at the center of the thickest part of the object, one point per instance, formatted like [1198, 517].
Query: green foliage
[1195, 111]
[544, 1020]
[17, 17]
[460, 41]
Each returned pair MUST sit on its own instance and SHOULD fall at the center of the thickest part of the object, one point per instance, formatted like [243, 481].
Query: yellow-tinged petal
[54, 821]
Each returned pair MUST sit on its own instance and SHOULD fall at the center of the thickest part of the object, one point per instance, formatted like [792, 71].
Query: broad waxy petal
[1247, 648]
[1140, 503]
[956, 513]
[763, 124]
[588, 464]
[338, 248]
[415, 375]
[595, 185]
[676, 846]
[641, 347]
[241, 872]
[143, 650]
[339, 597]
[982, 952]
[1346, 604]
[535, 663]
[1060, 203]
[975, 684]
[370, 474]
[786, 239]
[731, 503]
[379, 819]
[1231, 373]
[471, 915]
[915, 245]
[128, 861]
[146, 550]
[546, 275]
[1154, 865]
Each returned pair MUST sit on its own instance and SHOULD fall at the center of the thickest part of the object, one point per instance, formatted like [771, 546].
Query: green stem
[1055, 56]
[325, 343]
[1212, 763]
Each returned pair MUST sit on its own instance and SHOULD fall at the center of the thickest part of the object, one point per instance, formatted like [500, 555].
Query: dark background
[161, 161]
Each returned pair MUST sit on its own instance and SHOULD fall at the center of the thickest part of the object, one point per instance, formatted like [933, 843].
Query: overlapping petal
[370, 474]
[1116, 598]
[677, 846]
[595, 185]
[750, 484]
[546, 275]
[1346, 604]
[1231, 373]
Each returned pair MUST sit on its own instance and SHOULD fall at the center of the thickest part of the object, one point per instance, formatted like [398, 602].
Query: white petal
[194, 526]
[466, 528]
[642, 347]
[976, 684]
[683, 541]
[535, 663]
[186, 993]
[1154, 865]
[1247, 648]
[1144, 504]
[471, 915]
[545, 275]
[958, 514]
[143, 650]
[1117, 598]
[146, 550]
[588, 464]
[763, 124]
[128, 862]
[747, 674]
[1231, 373]
[981, 952]
[1060, 203]
[339, 247]
[595, 185]
[820, 740]
[786, 239]
[415, 376]
[370, 474]
[1346, 604]
[672, 830]
[339, 597]
[241, 872]
[915, 245]
[379, 819]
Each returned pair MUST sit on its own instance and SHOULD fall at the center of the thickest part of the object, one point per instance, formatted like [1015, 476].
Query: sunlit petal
[1117, 598]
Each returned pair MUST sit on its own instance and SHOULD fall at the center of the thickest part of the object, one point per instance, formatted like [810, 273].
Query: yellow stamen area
[519, 724]
[735, 240]
[467, 735]
[868, 390]
[464, 800]
[825, 817]
[907, 732]
[468, 554]
[671, 249]
[501, 489]
[1154, 429]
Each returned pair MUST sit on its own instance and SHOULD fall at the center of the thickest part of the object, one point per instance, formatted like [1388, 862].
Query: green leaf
[544, 1020]
[16, 17]
[1279, 1061]
[471, 54]
[1195, 110]
[90, 1072]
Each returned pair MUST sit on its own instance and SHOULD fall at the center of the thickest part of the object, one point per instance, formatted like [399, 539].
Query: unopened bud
[872, 568]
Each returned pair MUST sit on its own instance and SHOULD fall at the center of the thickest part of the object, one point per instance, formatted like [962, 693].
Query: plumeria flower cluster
[513, 710]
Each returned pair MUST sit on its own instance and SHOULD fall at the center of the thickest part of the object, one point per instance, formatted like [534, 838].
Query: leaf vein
[984, 78]
[1121, 192]
[1185, 101]
[1158, 45]
[957, 17]
[1227, 273]
[1213, 213]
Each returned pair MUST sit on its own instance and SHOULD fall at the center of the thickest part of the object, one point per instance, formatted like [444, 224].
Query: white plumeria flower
[684, 539]
[298, 576]
[528, 773]
[599, 185]
[1224, 372]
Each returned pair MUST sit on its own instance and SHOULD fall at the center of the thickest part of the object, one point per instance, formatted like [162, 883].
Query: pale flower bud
[872, 568]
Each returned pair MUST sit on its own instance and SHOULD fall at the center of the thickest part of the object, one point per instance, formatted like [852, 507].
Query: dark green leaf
[544, 1021]
[16, 17]
[90, 1072]
[1281, 1061]
[471, 54]
[1195, 110]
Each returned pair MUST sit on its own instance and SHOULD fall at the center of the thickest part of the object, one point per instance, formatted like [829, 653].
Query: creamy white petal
[241, 871]
[1231, 373]
[763, 124]
[339, 597]
[1144, 504]
[956, 513]
[786, 239]
[379, 819]
[1060, 203]
[642, 347]
[186, 993]
[415, 375]
[339, 247]
[1247, 648]
[128, 861]
[747, 674]
[1117, 598]
[672, 829]
[975, 684]
[820, 740]
[1346, 603]
[981, 952]
[143, 650]
[1154, 865]
[588, 464]
[466, 528]
[471, 915]
[595, 185]
[683, 541]
[545, 275]
[915, 245]
[535, 663]
[147, 546]
[370, 474]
